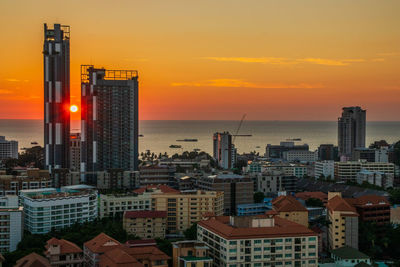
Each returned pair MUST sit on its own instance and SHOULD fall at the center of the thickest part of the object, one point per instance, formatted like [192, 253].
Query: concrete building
[11, 225]
[112, 205]
[375, 178]
[292, 169]
[27, 179]
[118, 179]
[75, 152]
[64, 177]
[276, 151]
[109, 130]
[328, 152]
[255, 208]
[274, 181]
[8, 149]
[351, 130]
[287, 207]
[349, 257]
[61, 252]
[347, 171]
[154, 174]
[96, 247]
[56, 96]
[372, 208]
[145, 224]
[224, 151]
[262, 240]
[372, 154]
[237, 189]
[48, 208]
[300, 156]
[343, 218]
[190, 253]
[324, 168]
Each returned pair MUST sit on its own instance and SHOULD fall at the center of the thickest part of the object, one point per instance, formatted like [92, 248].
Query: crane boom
[240, 125]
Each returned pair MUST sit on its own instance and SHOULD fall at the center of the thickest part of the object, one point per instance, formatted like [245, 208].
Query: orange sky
[274, 60]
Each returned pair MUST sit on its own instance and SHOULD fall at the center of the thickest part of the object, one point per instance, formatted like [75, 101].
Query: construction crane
[237, 130]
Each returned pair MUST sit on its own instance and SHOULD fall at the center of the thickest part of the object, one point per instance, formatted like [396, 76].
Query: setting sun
[74, 108]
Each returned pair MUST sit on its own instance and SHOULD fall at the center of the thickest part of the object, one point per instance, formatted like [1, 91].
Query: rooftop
[66, 247]
[348, 253]
[339, 204]
[163, 188]
[102, 243]
[287, 204]
[32, 260]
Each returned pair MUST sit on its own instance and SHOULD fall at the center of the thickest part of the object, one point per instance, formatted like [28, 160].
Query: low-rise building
[300, 156]
[145, 224]
[11, 228]
[289, 208]
[258, 240]
[316, 195]
[274, 181]
[48, 208]
[112, 205]
[349, 257]
[289, 169]
[157, 175]
[25, 179]
[61, 252]
[375, 178]
[96, 247]
[324, 169]
[255, 208]
[276, 151]
[190, 253]
[348, 170]
[372, 208]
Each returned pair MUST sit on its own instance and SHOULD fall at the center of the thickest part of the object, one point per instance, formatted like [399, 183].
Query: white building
[48, 208]
[291, 169]
[300, 155]
[274, 181]
[11, 228]
[324, 168]
[347, 171]
[115, 204]
[376, 178]
[8, 149]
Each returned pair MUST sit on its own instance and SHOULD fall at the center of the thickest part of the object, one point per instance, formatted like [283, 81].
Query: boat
[141, 135]
[175, 146]
[34, 143]
[187, 140]
[257, 146]
[196, 149]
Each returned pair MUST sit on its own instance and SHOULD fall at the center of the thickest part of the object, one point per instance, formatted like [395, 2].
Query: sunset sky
[215, 59]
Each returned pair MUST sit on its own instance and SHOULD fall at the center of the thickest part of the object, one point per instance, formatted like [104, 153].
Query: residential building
[297, 170]
[300, 155]
[61, 252]
[375, 178]
[48, 208]
[274, 181]
[118, 179]
[11, 225]
[287, 207]
[114, 205]
[372, 208]
[145, 224]
[343, 226]
[32, 260]
[190, 253]
[96, 247]
[349, 257]
[237, 189]
[347, 171]
[224, 151]
[154, 174]
[150, 256]
[351, 130]
[255, 208]
[75, 152]
[186, 183]
[263, 240]
[26, 179]
[64, 177]
[276, 151]
[184, 208]
[372, 154]
[324, 169]
[56, 96]
[8, 149]
[109, 118]
[327, 152]
[117, 257]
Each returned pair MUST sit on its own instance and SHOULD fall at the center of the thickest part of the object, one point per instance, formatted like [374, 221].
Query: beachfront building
[348, 170]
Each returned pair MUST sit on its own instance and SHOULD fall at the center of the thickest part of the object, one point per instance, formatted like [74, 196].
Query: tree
[314, 202]
[191, 232]
[258, 197]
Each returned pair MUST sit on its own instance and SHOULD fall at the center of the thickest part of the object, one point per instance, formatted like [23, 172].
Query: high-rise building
[224, 151]
[75, 151]
[8, 149]
[351, 130]
[56, 96]
[109, 117]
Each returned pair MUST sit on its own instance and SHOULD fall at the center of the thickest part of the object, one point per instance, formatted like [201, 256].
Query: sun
[74, 108]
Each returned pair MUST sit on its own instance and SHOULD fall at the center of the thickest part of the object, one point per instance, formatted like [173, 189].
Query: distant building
[328, 152]
[324, 169]
[287, 207]
[372, 208]
[276, 151]
[237, 189]
[300, 155]
[259, 240]
[61, 252]
[75, 152]
[274, 181]
[375, 178]
[351, 130]
[157, 175]
[255, 208]
[371, 154]
[145, 224]
[8, 149]
[190, 253]
[109, 131]
[289, 169]
[347, 171]
[27, 179]
[48, 208]
[11, 225]
[317, 195]
[64, 177]
[224, 151]
[348, 257]
[114, 205]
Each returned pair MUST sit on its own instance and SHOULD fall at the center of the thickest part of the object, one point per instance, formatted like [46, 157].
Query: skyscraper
[351, 130]
[224, 150]
[109, 117]
[56, 96]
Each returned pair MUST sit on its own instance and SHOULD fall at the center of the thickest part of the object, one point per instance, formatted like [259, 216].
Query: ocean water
[159, 135]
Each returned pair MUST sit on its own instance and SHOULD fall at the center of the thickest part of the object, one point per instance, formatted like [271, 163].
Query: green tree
[191, 232]
[314, 202]
[258, 197]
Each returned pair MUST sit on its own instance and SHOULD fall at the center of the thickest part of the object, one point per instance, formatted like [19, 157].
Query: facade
[112, 205]
[372, 208]
[300, 155]
[28, 179]
[8, 149]
[145, 224]
[372, 154]
[343, 218]
[274, 181]
[154, 174]
[287, 207]
[327, 152]
[276, 151]
[109, 130]
[117, 179]
[237, 189]
[45, 209]
[56, 96]
[61, 252]
[255, 208]
[64, 177]
[324, 168]
[375, 178]
[351, 130]
[258, 241]
[190, 253]
[11, 225]
[224, 151]
[75, 152]
[292, 169]
[347, 171]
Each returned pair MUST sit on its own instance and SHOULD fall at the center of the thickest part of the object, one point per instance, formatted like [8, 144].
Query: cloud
[244, 84]
[12, 80]
[389, 54]
[5, 92]
[287, 61]
[377, 59]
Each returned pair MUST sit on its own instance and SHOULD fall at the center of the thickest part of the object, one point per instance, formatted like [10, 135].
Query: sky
[215, 60]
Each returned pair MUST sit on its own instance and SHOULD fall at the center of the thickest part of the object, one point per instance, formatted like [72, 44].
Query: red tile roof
[164, 188]
[102, 243]
[287, 204]
[371, 200]
[138, 243]
[146, 253]
[339, 204]
[118, 258]
[66, 247]
[145, 214]
[32, 260]
[282, 228]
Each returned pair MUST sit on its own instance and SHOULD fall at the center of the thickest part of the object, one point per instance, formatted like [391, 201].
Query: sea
[159, 135]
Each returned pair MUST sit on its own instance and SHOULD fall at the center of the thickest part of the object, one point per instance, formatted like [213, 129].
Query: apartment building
[343, 218]
[190, 253]
[61, 252]
[263, 240]
[277, 151]
[48, 208]
[348, 170]
[372, 208]
[300, 156]
[237, 189]
[25, 179]
[11, 223]
[292, 169]
[154, 174]
[112, 205]
[289, 208]
[8, 149]
[325, 169]
[145, 224]
[75, 151]
[274, 181]
[375, 178]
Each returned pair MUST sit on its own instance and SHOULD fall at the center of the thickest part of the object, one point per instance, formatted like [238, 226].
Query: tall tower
[351, 130]
[56, 96]
[224, 151]
[109, 117]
